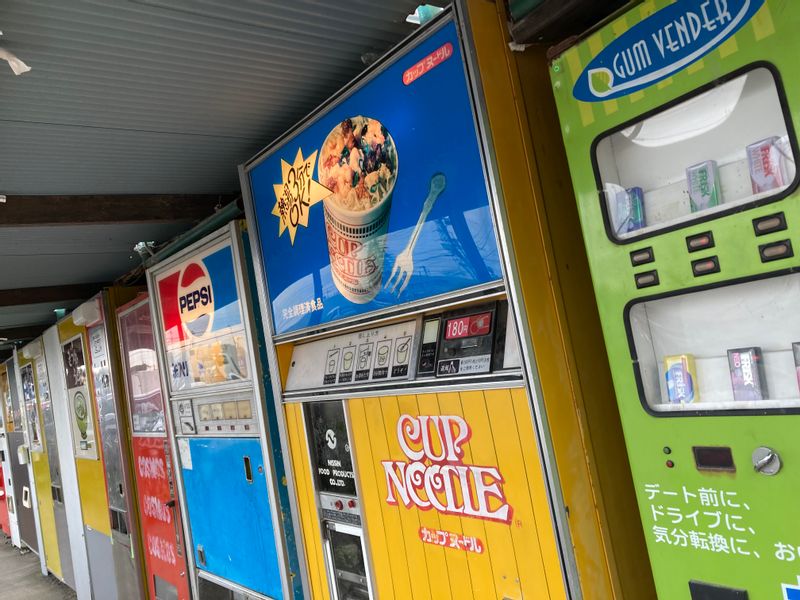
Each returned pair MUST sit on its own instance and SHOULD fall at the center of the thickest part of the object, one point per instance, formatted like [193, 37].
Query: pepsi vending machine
[231, 482]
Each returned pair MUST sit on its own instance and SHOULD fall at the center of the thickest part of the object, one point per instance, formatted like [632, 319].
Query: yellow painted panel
[304, 490]
[47, 519]
[510, 560]
[370, 503]
[536, 483]
[43, 484]
[91, 476]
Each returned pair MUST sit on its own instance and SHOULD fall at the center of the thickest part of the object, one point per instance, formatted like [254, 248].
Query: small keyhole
[121, 491]
[248, 470]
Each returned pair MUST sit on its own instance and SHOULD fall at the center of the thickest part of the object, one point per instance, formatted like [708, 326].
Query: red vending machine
[159, 510]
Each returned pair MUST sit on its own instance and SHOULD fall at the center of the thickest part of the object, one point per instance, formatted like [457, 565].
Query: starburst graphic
[297, 193]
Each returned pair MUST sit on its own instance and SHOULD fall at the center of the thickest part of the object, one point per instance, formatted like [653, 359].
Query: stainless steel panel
[103, 577]
[64, 550]
[107, 418]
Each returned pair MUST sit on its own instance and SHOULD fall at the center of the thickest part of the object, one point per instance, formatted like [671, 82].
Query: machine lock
[766, 461]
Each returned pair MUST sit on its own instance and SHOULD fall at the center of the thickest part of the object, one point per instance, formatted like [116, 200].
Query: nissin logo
[195, 299]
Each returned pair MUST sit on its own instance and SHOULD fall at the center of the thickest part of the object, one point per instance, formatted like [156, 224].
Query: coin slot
[700, 241]
[646, 279]
[642, 257]
[713, 458]
[769, 224]
[705, 266]
[776, 251]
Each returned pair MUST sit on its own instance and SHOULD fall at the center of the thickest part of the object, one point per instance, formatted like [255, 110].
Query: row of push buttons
[703, 241]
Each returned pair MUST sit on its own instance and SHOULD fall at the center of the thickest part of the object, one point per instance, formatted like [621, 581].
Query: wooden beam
[18, 334]
[42, 211]
[53, 293]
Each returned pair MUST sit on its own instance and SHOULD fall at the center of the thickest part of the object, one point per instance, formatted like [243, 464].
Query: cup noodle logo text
[435, 476]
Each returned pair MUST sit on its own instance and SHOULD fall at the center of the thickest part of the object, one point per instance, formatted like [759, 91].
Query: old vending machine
[46, 466]
[75, 392]
[680, 123]
[417, 462]
[11, 522]
[98, 316]
[30, 385]
[19, 451]
[238, 530]
[159, 511]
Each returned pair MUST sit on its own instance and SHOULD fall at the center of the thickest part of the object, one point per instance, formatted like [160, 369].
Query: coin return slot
[769, 224]
[701, 241]
[248, 470]
[713, 458]
[776, 251]
[642, 257]
[709, 591]
[705, 266]
[646, 279]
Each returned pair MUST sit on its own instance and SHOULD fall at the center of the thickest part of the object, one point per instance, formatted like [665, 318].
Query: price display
[469, 326]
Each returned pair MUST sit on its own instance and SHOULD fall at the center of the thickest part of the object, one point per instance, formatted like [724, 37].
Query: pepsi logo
[195, 299]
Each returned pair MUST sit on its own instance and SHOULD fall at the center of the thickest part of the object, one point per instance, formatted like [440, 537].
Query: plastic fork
[403, 267]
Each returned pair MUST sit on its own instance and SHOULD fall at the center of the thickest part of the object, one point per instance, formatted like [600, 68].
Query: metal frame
[518, 312]
[458, 12]
[232, 233]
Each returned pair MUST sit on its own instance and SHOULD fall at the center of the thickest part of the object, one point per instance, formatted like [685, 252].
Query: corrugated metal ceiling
[165, 96]
[156, 96]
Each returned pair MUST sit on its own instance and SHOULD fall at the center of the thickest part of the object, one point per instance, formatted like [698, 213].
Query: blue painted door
[229, 513]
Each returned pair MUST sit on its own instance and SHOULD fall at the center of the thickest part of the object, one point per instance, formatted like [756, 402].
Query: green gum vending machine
[679, 120]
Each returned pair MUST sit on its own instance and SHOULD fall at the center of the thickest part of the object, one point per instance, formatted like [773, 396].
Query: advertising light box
[379, 199]
[201, 320]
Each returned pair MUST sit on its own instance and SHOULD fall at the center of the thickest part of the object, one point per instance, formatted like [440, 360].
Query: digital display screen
[469, 326]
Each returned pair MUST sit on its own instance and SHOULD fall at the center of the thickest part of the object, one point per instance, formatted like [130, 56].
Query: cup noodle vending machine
[231, 483]
[680, 124]
[406, 410]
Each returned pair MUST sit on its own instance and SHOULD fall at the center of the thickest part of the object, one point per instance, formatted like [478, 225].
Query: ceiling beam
[18, 334]
[52, 293]
[42, 211]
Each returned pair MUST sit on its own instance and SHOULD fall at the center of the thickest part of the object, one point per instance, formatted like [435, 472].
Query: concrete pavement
[21, 579]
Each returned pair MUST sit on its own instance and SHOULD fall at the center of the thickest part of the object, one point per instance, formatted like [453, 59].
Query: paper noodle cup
[356, 226]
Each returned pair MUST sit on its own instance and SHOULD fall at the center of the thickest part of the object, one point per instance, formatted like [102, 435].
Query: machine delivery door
[229, 512]
[347, 564]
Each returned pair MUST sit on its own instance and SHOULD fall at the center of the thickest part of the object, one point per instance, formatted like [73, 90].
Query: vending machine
[47, 468]
[19, 451]
[11, 523]
[81, 419]
[30, 383]
[419, 461]
[680, 122]
[97, 315]
[231, 482]
[148, 429]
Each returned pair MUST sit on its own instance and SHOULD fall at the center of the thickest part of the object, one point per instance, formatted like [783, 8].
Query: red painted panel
[164, 551]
